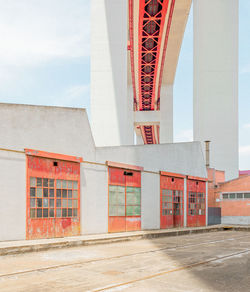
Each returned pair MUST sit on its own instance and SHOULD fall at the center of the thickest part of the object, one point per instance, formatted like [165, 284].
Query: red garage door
[172, 192]
[124, 200]
[196, 203]
[53, 195]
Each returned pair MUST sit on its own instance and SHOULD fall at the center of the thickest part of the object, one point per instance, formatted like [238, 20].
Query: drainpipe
[207, 143]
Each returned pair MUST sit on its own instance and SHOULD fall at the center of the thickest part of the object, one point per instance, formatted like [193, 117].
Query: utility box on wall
[53, 195]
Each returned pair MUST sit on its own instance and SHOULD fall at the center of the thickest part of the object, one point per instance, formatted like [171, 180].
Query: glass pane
[51, 202]
[169, 206]
[58, 212]
[112, 210]
[64, 184]
[32, 192]
[45, 182]
[58, 193]
[39, 192]
[240, 196]
[39, 213]
[64, 203]
[130, 210]
[70, 184]
[133, 198]
[51, 193]
[51, 183]
[75, 212]
[33, 203]
[45, 193]
[58, 184]
[45, 213]
[75, 185]
[39, 202]
[51, 213]
[69, 193]
[247, 195]
[120, 198]
[137, 210]
[75, 203]
[39, 182]
[58, 202]
[232, 196]
[64, 193]
[32, 213]
[120, 210]
[64, 212]
[70, 212]
[112, 198]
[75, 194]
[69, 203]
[32, 182]
[45, 203]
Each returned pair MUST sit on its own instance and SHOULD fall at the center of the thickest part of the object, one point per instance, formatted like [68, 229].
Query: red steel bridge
[150, 25]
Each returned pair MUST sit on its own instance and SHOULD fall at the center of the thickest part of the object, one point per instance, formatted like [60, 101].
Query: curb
[74, 242]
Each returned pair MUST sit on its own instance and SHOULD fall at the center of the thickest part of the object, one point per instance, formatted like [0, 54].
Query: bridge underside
[156, 29]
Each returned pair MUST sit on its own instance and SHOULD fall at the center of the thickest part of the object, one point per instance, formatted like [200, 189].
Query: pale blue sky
[44, 59]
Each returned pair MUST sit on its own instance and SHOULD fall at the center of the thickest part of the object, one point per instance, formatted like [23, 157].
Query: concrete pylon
[216, 81]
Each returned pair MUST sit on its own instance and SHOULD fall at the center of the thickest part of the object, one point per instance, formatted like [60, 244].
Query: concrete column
[166, 114]
[185, 195]
[139, 140]
[111, 99]
[216, 81]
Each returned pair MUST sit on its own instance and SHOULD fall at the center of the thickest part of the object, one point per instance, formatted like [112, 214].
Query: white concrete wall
[94, 199]
[52, 129]
[12, 196]
[111, 98]
[150, 201]
[216, 81]
[185, 158]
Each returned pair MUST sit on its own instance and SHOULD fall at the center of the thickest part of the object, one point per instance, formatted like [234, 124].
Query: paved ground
[218, 261]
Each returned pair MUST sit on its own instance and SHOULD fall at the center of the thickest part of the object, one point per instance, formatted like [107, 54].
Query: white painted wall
[216, 81]
[94, 199]
[150, 200]
[185, 158]
[111, 98]
[12, 196]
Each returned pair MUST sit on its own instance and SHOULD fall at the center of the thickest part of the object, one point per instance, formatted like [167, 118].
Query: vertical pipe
[185, 202]
[207, 143]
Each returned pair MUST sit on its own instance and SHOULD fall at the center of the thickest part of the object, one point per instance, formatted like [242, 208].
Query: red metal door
[53, 198]
[172, 189]
[196, 203]
[124, 200]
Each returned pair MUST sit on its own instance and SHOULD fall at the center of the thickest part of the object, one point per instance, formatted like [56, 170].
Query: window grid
[172, 202]
[236, 196]
[51, 198]
[196, 203]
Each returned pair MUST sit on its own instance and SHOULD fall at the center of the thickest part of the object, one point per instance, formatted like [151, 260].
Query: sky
[45, 60]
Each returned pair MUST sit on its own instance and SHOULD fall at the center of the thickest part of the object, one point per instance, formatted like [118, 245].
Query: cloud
[245, 150]
[184, 136]
[76, 95]
[246, 126]
[33, 32]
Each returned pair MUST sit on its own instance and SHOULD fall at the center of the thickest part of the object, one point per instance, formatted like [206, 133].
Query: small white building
[54, 182]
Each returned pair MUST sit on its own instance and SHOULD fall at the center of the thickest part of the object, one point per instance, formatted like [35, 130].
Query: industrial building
[55, 182]
[61, 177]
